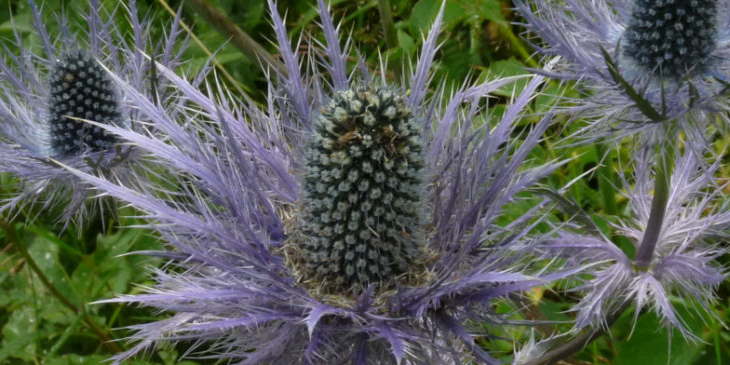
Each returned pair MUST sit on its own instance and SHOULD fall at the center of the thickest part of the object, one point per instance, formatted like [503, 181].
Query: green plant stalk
[386, 17]
[665, 164]
[205, 49]
[517, 45]
[608, 194]
[79, 310]
[247, 45]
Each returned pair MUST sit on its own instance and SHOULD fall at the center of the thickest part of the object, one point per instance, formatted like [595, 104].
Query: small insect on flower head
[53, 99]
[648, 64]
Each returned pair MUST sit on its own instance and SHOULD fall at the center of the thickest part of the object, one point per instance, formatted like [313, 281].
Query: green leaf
[504, 68]
[422, 15]
[45, 254]
[405, 41]
[650, 345]
[19, 334]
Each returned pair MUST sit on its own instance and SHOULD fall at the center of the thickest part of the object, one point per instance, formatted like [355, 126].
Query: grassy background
[478, 41]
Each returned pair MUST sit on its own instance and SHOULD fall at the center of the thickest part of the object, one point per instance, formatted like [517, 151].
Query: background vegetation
[479, 41]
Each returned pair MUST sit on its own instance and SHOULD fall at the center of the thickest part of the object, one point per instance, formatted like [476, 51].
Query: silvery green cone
[671, 37]
[362, 212]
[80, 89]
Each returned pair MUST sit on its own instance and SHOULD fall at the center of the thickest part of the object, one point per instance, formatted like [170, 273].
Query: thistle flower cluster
[49, 99]
[672, 38]
[363, 218]
[348, 220]
[655, 67]
[333, 224]
[648, 64]
[81, 89]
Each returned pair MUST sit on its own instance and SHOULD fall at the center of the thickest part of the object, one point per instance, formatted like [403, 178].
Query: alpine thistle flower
[49, 98]
[681, 262]
[648, 63]
[363, 215]
[345, 222]
[81, 89]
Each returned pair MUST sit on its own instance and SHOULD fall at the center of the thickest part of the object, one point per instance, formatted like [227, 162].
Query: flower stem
[604, 180]
[247, 45]
[577, 343]
[664, 166]
[388, 28]
[12, 236]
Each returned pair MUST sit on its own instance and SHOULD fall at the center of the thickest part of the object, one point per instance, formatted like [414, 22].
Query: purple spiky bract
[49, 95]
[230, 284]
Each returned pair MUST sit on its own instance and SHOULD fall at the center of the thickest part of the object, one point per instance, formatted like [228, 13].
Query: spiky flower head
[80, 89]
[362, 216]
[268, 196]
[51, 95]
[648, 64]
[683, 263]
[672, 38]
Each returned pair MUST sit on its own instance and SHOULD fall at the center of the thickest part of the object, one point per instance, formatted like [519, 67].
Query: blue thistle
[647, 65]
[671, 37]
[682, 262]
[81, 89]
[261, 270]
[52, 96]
[363, 215]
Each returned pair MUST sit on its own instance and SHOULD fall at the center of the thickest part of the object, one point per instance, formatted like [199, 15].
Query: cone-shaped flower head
[672, 37]
[51, 95]
[81, 89]
[363, 217]
[346, 221]
[647, 64]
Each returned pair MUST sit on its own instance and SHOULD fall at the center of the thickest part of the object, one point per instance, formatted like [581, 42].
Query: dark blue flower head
[81, 89]
[648, 65]
[51, 96]
[672, 37]
[363, 217]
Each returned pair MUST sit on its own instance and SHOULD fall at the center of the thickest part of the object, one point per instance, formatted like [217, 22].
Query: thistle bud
[671, 37]
[362, 215]
[80, 89]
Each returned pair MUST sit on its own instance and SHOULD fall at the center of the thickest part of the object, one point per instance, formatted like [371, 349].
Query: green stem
[604, 180]
[578, 343]
[12, 236]
[388, 28]
[516, 43]
[664, 167]
[247, 45]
